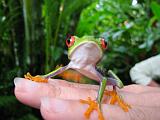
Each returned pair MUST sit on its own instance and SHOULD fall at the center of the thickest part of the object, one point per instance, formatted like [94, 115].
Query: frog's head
[86, 49]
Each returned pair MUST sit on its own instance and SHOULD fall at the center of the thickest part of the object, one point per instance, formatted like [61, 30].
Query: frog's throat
[70, 51]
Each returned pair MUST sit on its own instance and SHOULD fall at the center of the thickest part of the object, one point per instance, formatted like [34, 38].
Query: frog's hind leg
[93, 105]
[115, 98]
[96, 104]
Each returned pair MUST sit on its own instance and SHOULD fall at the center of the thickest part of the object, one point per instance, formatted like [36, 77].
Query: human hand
[59, 100]
[153, 84]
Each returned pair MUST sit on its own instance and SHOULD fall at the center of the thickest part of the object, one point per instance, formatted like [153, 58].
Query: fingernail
[17, 81]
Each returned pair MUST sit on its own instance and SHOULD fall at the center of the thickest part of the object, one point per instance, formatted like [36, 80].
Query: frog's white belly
[87, 70]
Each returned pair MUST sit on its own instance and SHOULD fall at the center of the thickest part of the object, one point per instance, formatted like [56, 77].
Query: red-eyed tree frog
[84, 54]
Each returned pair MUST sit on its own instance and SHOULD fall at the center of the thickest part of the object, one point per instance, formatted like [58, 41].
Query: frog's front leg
[96, 104]
[115, 98]
[44, 78]
[36, 78]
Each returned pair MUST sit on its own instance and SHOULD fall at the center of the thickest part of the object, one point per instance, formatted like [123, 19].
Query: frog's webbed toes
[36, 78]
[115, 98]
[123, 104]
[93, 105]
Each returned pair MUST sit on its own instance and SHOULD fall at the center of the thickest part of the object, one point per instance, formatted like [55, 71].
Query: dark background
[33, 33]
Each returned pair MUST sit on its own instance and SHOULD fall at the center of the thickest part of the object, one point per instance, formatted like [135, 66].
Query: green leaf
[152, 20]
[156, 9]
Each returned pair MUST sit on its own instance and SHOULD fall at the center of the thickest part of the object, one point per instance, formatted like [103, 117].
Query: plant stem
[48, 33]
[26, 58]
[57, 28]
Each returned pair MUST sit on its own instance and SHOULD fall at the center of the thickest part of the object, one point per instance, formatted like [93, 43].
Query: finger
[56, 109]
[129, 88]
[140, 88]
[132, 94]
[150, 99]
[30, 93]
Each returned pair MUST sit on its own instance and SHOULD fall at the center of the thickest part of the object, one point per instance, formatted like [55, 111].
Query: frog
[84, 54]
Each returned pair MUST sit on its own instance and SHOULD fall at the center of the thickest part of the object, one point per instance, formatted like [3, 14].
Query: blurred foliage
[32, 35]
[32, 38]
[133, 31]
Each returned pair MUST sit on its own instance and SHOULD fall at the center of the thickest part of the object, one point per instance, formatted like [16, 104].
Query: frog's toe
[115, 98]
[122, 103]
[35, 78]
[93, 105]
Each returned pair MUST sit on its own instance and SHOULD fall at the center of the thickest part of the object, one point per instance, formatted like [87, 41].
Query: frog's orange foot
[36, 78]
[93, 105]
[116, 98]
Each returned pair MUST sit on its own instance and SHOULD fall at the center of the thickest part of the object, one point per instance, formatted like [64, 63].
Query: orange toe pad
[116, 98]
[35, 78]
[93, 105]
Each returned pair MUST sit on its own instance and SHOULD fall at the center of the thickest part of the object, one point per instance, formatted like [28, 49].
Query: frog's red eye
[70, 41]
[104, 44]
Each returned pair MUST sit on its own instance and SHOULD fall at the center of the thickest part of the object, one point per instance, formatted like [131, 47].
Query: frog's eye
[104, 43]
[70, 41]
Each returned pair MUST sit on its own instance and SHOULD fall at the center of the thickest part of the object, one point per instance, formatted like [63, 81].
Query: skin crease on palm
[58, 100]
